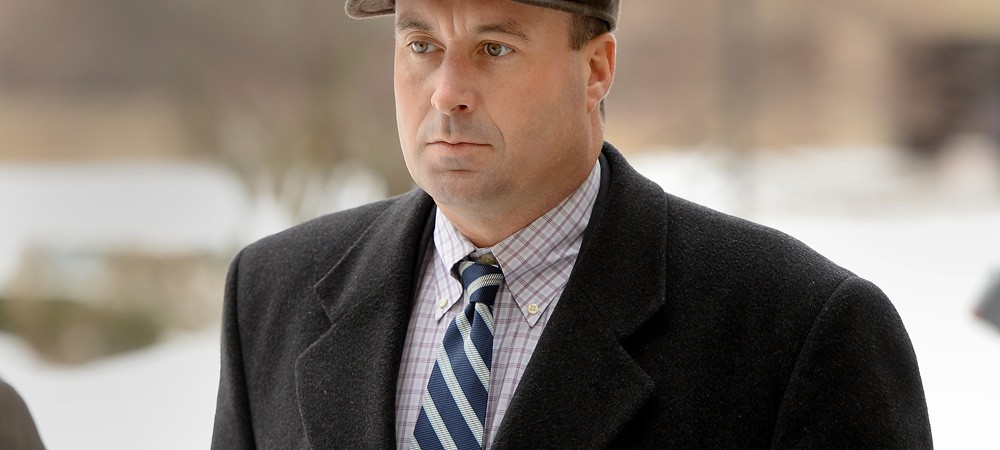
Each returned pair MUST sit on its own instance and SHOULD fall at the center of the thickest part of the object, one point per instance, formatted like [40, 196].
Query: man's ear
[601, 52]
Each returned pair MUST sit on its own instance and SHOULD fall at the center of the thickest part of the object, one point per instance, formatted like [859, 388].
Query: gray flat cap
[606, 10]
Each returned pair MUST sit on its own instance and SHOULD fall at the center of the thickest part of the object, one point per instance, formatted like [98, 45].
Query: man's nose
[454, 93]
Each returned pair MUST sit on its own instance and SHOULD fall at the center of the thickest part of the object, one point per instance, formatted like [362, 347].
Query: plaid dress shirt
[536, 262]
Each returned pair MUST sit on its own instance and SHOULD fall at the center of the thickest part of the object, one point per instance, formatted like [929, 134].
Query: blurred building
[777, 73]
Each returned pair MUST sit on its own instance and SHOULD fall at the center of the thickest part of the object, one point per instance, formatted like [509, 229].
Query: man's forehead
[476, 16]
[512, 28]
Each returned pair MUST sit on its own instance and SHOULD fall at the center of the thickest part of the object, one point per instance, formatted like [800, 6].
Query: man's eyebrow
[403, 24]
[510, 28]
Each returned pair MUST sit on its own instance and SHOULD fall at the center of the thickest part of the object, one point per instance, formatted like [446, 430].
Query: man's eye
[496, 50]
[422, 47]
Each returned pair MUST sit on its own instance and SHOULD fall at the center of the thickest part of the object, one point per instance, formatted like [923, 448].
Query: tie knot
[480, 281]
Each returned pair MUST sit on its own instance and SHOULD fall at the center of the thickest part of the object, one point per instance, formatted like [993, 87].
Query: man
[600, 313]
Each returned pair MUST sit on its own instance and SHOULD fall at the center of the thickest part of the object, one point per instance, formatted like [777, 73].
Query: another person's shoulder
[17, 428]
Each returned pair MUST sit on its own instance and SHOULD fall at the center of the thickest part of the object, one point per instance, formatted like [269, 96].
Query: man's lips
[456, 148]
[454, 143]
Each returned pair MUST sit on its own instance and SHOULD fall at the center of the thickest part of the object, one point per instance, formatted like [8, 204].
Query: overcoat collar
[581, 385]
[346, 380]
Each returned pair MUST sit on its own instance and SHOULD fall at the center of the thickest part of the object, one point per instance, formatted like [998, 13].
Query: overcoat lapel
[346, 379]
[581, 386]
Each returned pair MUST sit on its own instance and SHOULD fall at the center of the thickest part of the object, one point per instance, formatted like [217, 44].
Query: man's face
[490, 103]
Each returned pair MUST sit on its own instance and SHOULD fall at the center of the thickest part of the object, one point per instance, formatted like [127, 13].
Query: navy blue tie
[453, 413]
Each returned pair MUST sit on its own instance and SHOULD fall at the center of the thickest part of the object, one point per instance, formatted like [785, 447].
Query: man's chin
[462, 193]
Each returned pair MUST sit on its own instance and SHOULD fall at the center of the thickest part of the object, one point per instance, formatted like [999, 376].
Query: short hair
[582, 30]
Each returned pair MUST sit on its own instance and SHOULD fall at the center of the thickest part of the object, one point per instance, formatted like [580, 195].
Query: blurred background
[143, 143]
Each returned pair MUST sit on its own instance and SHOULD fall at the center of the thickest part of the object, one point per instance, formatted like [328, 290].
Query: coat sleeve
[233, 426]
[856, 383]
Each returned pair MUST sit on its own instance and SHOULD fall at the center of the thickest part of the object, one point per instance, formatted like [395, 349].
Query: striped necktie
[453, 412]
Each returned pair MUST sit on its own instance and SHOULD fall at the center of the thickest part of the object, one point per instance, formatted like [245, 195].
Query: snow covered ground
[930, 241]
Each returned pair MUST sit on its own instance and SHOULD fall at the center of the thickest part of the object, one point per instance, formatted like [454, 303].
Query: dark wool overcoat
[681, 327]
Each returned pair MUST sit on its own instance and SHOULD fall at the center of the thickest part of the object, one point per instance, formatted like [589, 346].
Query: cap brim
[359, 9]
